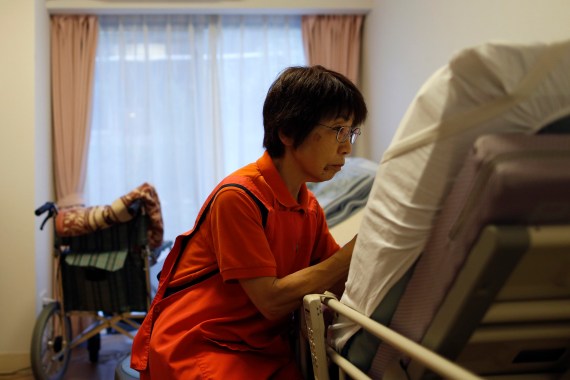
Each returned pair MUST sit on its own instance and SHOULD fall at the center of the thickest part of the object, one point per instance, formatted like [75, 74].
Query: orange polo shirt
[212, 329]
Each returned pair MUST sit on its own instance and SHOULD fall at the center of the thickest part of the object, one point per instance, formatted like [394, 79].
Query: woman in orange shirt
[230, 285]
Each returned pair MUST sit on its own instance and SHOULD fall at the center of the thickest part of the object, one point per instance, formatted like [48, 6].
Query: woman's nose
[345, 147]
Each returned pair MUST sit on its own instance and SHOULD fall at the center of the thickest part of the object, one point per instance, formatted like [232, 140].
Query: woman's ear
[286, 140]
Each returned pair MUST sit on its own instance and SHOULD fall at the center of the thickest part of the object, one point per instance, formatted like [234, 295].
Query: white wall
[43, 169]
[406, 41]
[25, 172]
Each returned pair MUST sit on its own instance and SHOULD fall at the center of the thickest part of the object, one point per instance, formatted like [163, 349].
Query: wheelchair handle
[51, 209]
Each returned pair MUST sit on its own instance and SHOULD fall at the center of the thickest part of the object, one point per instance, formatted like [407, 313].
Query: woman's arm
[277, 297]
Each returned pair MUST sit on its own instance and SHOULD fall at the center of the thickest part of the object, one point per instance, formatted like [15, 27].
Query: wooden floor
[114, 347]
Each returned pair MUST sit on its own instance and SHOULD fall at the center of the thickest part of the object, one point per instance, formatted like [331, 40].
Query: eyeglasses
[343, 134]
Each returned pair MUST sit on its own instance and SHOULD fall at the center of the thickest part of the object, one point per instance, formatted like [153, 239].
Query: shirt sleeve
[239, 240]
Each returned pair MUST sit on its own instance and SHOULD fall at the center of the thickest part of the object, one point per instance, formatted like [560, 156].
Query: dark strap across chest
[262, 209]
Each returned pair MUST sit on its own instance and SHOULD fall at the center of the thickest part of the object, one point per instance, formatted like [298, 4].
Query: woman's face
[320, 156]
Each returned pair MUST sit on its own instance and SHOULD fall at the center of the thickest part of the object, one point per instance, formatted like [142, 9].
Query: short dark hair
[302, 96]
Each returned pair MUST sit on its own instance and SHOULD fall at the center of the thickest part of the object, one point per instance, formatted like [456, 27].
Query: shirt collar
[274, 180]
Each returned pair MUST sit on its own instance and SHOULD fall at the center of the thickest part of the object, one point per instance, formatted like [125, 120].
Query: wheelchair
[103, 274]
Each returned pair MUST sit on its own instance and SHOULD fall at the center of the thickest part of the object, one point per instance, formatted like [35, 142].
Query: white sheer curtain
[178, 101]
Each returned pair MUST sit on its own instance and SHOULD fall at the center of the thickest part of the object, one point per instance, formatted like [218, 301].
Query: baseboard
[11, 362]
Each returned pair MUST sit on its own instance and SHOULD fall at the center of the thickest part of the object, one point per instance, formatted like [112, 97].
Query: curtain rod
[209, 6]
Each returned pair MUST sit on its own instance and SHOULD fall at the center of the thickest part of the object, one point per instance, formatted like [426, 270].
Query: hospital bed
[492, 290]
[489, 295]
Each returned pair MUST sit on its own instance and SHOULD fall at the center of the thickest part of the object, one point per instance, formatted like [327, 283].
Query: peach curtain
[333, 41]
[73, 46]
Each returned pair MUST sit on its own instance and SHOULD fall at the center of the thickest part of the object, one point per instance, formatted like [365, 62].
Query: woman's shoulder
[249, 179]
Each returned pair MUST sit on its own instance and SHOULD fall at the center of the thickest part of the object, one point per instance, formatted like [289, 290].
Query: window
[178, 103]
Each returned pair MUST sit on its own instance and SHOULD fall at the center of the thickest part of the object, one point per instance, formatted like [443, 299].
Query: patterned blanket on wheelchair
[77, 221]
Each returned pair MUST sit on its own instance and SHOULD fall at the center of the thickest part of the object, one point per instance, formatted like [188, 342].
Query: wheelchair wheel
[51, 338]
